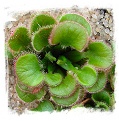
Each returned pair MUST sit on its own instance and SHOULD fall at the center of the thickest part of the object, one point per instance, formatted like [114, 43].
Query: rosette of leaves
[58, 64]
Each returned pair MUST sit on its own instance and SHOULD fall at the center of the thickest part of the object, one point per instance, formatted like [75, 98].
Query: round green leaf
[77, 18]
[28, 70]
[45, 105]
[87, 76]
[20, 40]
[23, 87]
[65, 88]
[102, 96]
[100, 55]
[67, 101]
[29, 97]
[40, 21]
[69, 34]
[40, 38]
[53, 79]
[99, 85]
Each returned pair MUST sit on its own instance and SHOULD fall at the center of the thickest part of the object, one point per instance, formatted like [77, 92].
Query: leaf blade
[87, 76]
[77, 18]
[20, 40]
[69, 101]
[45, 105]
[99, 85]
[66, 87]
[102, 96]
[41, 21]
[40, 38]
[29, 97]
[69, 34]
[28, 70]
[53, 79]
[100, 55]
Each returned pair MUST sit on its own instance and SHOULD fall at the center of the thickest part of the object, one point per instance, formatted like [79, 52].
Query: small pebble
[111, 33]
[94, 32]
[110, 21]
[11, 88]
[93, 20]
[15, 96]
[100, 16]
[107, 30]
[98, 29]
[11, 79]
[106, 15]
[94, 16]
[11, 95]
[20, 24]
[105, 24]
[10, 25]
[97, 23]
[102, 12]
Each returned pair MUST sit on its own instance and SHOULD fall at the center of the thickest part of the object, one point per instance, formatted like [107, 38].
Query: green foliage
[111, 76]
[53, 79]
[29, 97]
[102, 99]
[23, 87]
[99, 85]
[28, 70]
[87, 76]
[40, 38]
[69, 34]
[100, 55]
[68, 101]
[20, 40]
[65, 63]
[50, 57]
[41, 21]
[79, 19]
[45, 105]
[73, 56]
[64, 89]
[59, 66]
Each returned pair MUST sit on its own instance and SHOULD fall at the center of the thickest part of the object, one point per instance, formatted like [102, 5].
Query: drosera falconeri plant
[57, 64]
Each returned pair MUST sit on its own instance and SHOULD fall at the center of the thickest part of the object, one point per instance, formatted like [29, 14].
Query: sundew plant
[57, 64]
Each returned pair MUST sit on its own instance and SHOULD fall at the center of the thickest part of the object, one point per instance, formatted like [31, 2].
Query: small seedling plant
[57, 64]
